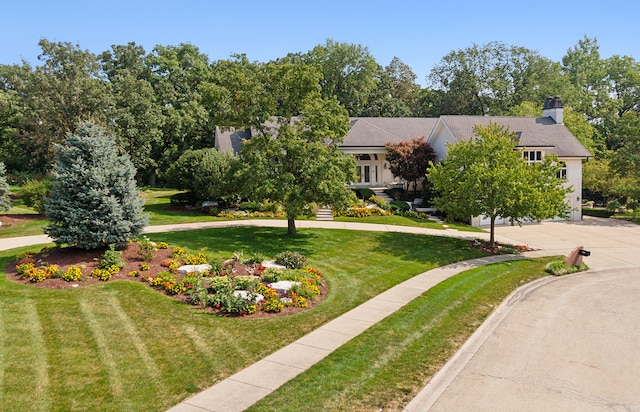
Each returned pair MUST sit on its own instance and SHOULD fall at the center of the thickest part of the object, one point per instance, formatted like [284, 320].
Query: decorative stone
[254, 297]
[194, 268]
[273, 265]
[283, 286]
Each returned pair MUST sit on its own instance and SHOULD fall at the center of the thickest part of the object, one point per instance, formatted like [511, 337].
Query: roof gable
[531, 131]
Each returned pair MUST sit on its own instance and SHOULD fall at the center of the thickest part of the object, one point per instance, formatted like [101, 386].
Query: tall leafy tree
[348, 73]
[93, 200]
[177, 73]
[410, 159]
[489, 79]
[299, 162]
[135, 116]
[487, 176]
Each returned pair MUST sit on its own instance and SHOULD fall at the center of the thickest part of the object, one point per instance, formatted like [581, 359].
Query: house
[368, 136]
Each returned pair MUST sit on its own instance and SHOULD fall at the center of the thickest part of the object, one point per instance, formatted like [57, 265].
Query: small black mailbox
[583, 252]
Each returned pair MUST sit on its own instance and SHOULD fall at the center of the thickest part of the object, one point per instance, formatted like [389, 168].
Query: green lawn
[407, 221]
[123, 346]
[387, 365]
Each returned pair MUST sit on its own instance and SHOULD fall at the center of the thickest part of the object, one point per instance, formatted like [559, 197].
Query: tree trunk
[493, 229]
[291, 226]
[152, 177]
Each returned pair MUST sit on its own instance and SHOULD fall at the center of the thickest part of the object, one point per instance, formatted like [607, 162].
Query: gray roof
[231, 140]
[378, 131]
[532, 132]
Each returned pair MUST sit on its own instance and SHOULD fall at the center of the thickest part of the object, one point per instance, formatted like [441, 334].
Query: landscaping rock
[273, 265]
[193, 269]
[255, 297]
[284, 286]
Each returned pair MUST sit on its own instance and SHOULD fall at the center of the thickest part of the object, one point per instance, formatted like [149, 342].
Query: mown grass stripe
[2, 355]
[399, 347]
[134, 337]
[198, 341]
[105, 355]
[40, 364]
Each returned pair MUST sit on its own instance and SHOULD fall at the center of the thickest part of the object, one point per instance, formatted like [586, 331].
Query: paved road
[566, 344]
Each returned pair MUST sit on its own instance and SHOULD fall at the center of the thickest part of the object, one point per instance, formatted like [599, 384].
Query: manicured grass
[123, 346]
[407, 221]
[28, 228]
[387, 365]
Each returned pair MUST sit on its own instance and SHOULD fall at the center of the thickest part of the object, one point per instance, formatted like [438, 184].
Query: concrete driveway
[561, 344]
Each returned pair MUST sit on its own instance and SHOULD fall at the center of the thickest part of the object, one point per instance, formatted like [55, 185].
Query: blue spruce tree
[5, 200]
[93, 200]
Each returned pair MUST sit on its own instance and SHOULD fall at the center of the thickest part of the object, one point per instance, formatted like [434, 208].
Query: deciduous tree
[410, 159]
[487, 176]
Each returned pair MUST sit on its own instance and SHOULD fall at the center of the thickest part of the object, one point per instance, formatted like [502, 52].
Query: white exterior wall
[574, 179]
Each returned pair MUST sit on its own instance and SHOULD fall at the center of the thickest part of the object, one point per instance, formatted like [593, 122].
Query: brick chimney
[553, 108]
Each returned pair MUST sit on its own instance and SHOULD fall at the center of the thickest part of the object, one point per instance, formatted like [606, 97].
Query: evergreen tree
[93, 200]
[5, 200]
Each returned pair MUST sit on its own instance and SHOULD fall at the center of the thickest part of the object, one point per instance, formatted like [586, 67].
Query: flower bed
[239, 286]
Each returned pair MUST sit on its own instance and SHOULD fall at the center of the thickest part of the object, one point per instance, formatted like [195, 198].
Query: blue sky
[420, 33]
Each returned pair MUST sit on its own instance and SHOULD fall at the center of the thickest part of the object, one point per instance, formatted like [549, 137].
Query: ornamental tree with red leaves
[410, 159]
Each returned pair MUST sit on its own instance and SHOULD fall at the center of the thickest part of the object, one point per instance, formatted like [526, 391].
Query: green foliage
[559, 268]
[111, 258]
[72, 274]
[5, 200]
[146, 249]
[271, 275]
[291, 260]
[613, 205]
[245, 283]
[219, 284]
[364, 193]
[487, 176]
[93, 199]
[34, 192]
[400, 204]
[205, 173]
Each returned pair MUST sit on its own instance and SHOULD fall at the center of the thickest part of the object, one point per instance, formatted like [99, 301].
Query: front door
[366, 174]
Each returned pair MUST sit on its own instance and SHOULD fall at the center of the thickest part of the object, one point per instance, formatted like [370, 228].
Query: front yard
[121, 345]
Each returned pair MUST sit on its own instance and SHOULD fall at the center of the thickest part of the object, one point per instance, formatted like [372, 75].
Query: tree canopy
[486, 175]
[410, 159]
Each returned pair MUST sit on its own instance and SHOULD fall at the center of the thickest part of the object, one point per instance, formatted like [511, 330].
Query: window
[562, 173]
[532, 156]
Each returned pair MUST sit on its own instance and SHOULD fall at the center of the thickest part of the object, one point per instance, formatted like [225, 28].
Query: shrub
[558, 268]
[204, 173]
[597, 212]
[401, 205]
[251, 206]
[178, 252]
[72, 274]
[217, 267]
[219, 284]
[183, 199]
[291, 260]
[245, 282]
[34, 192]
[254, 258]
[93, 200]
[271, 275]
[110, 258]
[379, 201]
[364, 193]
[613, 205]
[395, 193]
[146, 249]
[632, 205]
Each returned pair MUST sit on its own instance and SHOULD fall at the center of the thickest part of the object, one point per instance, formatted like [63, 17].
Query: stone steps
[380, 193]
[324, 213]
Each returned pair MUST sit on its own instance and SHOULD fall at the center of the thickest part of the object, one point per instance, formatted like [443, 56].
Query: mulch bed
[14, 220]
[65, 257]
